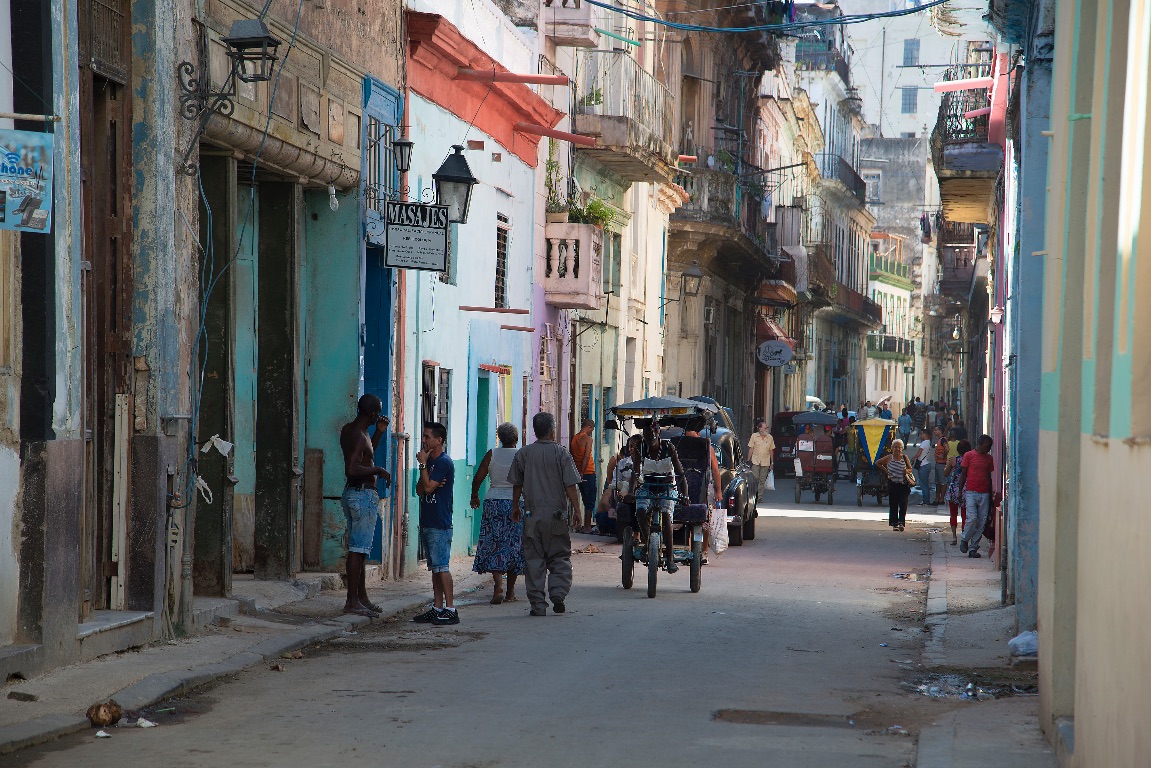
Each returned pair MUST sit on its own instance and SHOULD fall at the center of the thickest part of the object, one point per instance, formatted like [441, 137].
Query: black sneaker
[558, 606]
[974, 553]
[963, 546]
[446, 618]
[427, 617]
[538, 611]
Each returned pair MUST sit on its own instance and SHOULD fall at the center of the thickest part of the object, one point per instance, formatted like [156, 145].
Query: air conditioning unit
[709, 315]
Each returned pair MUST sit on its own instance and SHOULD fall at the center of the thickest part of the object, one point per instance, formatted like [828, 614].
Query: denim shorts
[437, 543]
[361, 510]
[661, 498]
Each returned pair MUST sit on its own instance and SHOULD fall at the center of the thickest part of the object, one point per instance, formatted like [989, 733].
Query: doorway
[482, 441]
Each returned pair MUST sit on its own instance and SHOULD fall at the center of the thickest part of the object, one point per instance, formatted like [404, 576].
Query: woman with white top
[900, 478]
[500, 550]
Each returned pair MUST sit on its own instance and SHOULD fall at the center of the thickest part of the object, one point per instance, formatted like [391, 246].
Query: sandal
[374, 607]
[363, 612]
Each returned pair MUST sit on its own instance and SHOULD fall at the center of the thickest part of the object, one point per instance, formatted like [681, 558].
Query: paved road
[778, 661]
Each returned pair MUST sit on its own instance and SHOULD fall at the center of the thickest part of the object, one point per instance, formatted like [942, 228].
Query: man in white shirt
[925, 464]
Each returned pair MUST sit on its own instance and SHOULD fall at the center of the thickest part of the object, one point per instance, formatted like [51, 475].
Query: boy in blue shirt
[435, 488]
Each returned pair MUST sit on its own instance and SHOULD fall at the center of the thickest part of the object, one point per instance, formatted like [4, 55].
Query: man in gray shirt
[546, 475]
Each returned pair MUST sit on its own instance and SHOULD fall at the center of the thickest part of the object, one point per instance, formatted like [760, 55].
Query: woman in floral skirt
[500, 550]
[955, 490]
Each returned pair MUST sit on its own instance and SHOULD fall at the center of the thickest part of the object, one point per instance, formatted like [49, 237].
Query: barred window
[444, 401]
[503, 230]
[910, 53]
[910, 100]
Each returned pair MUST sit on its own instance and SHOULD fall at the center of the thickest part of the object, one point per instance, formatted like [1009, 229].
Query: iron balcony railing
[822, 55]
[890, 266]
[835, 168]
[716, 195]
[955, 104]
[956, 233]
[857, 302]
[612, 84]
[880, 343]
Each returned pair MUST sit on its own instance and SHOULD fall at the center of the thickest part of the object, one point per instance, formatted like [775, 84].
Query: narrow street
[793, 654]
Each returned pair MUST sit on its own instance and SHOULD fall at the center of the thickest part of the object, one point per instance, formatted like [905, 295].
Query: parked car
[740, 494]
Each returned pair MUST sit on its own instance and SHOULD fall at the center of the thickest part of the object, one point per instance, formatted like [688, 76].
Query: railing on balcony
[822, 55]
[716, 196]
[956, 270]
[956, 127]
[858, 303]
[883, 344]
[835, 168]
[890, 266]
[956, 233]
[612, 84]
[573, 265]
[571, 23]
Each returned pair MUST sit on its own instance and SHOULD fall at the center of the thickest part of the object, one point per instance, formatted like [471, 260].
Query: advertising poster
[25, 181]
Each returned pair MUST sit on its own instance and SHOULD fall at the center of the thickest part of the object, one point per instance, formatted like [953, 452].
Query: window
[910, 98]
[585, 401]
[871, 178]
[444, 401]
[428, 395]
[907, 135]
[611, 263]
[380, 183]
[503, 230]
[910, 53]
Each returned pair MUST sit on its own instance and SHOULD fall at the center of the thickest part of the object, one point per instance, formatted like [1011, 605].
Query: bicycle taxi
[660, 513]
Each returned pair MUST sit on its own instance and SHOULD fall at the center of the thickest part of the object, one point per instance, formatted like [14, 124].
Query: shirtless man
[360, 500]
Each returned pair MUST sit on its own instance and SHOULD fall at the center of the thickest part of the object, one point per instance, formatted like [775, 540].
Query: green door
[244, 277]
[482, 441]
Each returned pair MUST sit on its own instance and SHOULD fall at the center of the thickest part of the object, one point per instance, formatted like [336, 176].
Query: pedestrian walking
[436, 489]
[940, 466]
[956, 504]
[761, 450]
[900, 478]
[360, 500]
[545, 473]
[500, 550]
[978, 466]
[904, 426]
[925, 468]
[583, 452]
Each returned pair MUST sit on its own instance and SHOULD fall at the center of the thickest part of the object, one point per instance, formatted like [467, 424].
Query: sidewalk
[278, 617]
[969, 632]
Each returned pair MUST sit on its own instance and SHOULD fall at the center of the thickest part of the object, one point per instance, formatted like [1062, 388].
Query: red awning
[767, 329]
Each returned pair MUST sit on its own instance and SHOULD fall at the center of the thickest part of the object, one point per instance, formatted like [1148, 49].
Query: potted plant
[595, 211]
[555, 209]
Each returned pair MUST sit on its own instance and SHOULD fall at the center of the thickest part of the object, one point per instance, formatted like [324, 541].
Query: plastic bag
[769, 484]
[1024, 644]
[718, 527]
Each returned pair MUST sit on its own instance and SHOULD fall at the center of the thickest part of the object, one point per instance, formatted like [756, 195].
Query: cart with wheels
[875, 437]
[643, 543]
[815, 456]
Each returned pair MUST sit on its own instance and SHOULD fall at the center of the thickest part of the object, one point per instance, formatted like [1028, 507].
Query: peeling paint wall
[9, 542]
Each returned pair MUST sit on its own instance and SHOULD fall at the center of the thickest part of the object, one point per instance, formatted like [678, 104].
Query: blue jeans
[662, 499]
[437, 548]
[361, 510]
[927, 482]
[978, 506]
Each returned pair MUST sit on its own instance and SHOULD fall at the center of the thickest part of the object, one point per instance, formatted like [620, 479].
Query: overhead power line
[789, 26]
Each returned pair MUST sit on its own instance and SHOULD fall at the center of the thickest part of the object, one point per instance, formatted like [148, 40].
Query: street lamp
[996, 314]
[454, 182]
[252, 49]
[402, 152]
[692, 279]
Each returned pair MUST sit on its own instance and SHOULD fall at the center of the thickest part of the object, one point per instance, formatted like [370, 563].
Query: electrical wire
[790, 26]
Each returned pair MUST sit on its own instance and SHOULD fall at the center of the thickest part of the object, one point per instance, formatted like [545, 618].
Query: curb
[162, 685]
[934, 654]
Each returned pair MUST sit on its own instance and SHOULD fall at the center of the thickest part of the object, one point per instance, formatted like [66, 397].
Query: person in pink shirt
[978, 467]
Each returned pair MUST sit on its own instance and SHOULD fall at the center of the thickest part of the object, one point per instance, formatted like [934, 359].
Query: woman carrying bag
[900, 478]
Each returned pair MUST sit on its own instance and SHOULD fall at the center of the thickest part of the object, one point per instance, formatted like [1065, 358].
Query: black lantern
[692, 279]
[252, 50]
[454, 182]
[402, 151]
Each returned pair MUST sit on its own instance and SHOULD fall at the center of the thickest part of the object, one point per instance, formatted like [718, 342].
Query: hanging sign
[25, 181]
[774, 353]
[417, 236]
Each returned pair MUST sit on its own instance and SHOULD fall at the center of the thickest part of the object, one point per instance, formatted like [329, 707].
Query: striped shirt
[897, 470]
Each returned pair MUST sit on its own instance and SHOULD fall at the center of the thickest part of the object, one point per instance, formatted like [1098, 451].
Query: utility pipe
[970, 84]
[492, 76]
[539, 130]
[977, 112]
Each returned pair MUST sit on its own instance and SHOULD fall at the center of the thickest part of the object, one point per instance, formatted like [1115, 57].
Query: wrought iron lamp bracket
[199, 102]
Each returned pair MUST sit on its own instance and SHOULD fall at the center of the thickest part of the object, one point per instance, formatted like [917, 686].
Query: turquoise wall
[330, 345]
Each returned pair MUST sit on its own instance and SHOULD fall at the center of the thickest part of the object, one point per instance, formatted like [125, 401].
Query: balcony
[573, 269]
[880, 265]
[835, 168]
[884, 347]
[822, 55]
[570, 23]
[859, 307]
[718, 206]
[957, 272]
[966, 164]
[628, 111]
[956, 233]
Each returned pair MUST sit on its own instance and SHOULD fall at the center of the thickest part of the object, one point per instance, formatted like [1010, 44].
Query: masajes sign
[417, 236]
[774, 353]
[25, 181]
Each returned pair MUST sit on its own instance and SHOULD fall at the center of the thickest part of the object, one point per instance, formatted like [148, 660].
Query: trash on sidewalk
[896, 730]
[292, 655]
[142, 722]
[22, 696]
[590, 549]
[1024, 644]
[101, 715]
[951, 686]
[103, 735]
[278, 668]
